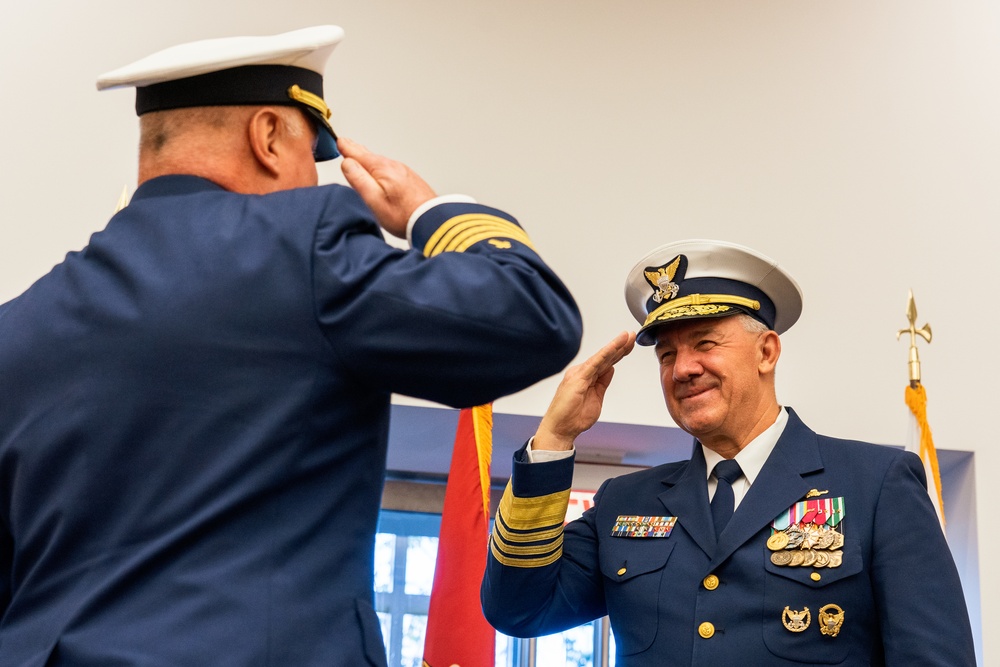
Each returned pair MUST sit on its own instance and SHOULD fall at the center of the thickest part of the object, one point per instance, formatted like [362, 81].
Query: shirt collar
[752, 457]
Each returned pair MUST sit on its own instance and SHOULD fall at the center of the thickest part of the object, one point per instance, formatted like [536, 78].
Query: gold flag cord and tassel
[916, 400]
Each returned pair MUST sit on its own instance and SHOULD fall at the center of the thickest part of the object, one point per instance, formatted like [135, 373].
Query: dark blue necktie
[723, 501]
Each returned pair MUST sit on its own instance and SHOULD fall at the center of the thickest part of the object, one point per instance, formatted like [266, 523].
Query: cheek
[667, 387]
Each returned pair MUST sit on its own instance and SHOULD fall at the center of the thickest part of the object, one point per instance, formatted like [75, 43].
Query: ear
[769, 345]
[264, 131]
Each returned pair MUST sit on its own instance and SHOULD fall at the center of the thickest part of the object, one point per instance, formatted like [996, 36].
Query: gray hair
[158, 128]
[752, 324]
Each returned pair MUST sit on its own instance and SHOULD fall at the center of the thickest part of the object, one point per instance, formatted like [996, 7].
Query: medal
[781, 558]
[826, 539]
[806, 534]
[796, 621]
[777, 542]
[831, 617]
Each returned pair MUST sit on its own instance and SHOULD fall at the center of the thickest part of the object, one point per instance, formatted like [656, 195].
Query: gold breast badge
[796, 621]
[831, 617]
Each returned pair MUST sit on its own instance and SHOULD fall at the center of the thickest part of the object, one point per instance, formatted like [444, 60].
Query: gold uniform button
[706, 630]
[711, 582]
[622, 571]
[815, 576]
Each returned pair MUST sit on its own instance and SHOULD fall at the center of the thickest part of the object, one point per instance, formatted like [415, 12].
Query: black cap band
[247, 85]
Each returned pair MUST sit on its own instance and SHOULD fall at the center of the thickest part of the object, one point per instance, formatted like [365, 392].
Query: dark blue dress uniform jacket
[898, 585]
[194, 413]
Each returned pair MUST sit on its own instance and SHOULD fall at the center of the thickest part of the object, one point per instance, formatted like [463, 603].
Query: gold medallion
[777, 542]
[796, 621]
[822, 559]
[797, 558]
[838, 540]
[831, 617]
[781, 558]
[825, 540]
[836, 559]
[809, 558]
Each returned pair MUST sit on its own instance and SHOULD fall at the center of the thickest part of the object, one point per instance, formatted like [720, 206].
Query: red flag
[457, 633]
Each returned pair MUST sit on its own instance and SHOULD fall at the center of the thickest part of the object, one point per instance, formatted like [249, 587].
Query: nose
[686, 365]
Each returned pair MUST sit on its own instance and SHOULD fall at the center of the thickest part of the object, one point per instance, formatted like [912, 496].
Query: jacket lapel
[687, 499]
[779, 485]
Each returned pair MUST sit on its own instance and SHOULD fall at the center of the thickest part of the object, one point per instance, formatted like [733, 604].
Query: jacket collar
[779, 485]
[179, 184]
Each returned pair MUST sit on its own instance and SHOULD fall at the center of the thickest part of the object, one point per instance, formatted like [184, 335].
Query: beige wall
[856, 142]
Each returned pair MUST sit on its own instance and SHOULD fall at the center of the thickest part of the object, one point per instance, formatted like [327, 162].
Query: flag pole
[924, 332]
[916, 400]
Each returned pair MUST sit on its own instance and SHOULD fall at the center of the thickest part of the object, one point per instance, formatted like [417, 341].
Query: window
[405, 553]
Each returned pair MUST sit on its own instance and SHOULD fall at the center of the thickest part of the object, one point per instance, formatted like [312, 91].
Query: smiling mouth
[693, 393]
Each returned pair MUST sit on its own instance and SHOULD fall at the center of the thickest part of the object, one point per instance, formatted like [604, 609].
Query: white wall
[856, 142]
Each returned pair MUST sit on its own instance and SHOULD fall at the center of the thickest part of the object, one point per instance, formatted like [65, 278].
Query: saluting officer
[777, 546]
[194, 409]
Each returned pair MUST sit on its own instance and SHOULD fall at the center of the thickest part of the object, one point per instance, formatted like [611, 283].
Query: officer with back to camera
[194, 409]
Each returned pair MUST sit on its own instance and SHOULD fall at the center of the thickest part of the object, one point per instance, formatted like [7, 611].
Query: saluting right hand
[392, 190]
[579, 398]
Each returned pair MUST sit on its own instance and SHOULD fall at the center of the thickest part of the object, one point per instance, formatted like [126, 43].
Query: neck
[729, 445]
[221, 169]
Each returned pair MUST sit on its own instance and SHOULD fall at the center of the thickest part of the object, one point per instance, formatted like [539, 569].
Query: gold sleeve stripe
[529, 550]
[467, 241]
[455, 234]
[500, 529]
[523, 562]
[445, 236]
[463, 238]
[544, 539]
[533, 513]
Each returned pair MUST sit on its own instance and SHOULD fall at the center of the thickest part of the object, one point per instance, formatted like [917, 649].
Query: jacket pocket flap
[625, 559]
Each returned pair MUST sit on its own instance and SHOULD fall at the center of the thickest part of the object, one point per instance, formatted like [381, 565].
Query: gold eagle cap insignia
[661, 279]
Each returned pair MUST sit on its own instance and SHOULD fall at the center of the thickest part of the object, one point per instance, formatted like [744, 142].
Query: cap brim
[646, 335]
[326, 138]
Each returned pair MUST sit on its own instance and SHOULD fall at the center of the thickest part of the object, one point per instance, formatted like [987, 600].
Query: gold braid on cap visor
[310, 100]
[683, 306]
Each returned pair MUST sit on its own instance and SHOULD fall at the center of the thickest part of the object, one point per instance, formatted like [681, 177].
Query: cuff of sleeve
[545, 455]
[431, 203]
[540, 478]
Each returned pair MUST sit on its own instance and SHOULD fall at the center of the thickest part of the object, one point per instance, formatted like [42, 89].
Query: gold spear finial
[924, 332]
[122, 200]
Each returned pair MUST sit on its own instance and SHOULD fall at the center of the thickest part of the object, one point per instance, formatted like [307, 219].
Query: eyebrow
[693, 333]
